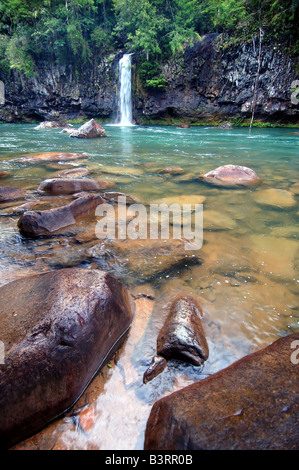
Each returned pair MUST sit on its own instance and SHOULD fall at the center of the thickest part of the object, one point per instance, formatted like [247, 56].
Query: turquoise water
[247, 283]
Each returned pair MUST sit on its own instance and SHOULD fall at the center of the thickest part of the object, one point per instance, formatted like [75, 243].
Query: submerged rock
[250, 405]
[49, 222]
[170, 170]
[182, 337]
[58, 186]
[89, 130]
[8, 193]
[51, 156]
[231, 176]
[140, 261]
[275, 197]
[215, 220]
[74, 173]
[58, 329]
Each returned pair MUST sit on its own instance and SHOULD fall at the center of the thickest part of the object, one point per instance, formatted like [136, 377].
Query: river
[247, 284]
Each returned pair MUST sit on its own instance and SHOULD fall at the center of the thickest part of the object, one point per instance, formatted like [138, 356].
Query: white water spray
[125, 93]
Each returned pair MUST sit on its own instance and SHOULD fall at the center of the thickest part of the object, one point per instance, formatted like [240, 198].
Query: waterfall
[125, 92]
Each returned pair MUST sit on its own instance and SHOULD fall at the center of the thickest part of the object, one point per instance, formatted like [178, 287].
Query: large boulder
[58, 329]
[89, 130]
[59, 186]
[50, 222]
[252, 404]
[231, 176]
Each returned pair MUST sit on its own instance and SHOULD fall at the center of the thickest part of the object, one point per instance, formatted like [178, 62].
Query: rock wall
[212, 83]
[207, 83]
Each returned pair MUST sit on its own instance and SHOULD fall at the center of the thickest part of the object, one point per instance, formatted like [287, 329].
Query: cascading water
[125, 93]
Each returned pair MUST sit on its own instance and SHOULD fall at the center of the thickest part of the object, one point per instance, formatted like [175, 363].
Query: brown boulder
[251, 405]
[89, 130]
[49, 222]
[231, 176]
[8, 193]
[59, 186]
[58, 329]
[181, 337]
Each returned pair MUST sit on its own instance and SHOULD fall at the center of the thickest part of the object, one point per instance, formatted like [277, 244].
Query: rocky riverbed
[234, 296]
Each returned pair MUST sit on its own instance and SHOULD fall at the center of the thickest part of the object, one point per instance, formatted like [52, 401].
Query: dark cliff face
[209, 82]
[60, 91]
[206, 83]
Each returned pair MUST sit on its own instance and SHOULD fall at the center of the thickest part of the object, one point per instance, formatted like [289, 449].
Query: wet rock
[182, 337]
[58, 186]
[156, 367]
[4, 174]
[184, 126]
[67, 130]
[274, 197]
[247, 406]
[226, 125]
[231, 176]
[53, 125]
[49, 222]
[58, 329]
[113, 196]
[89, 130]
[51, 156]
[8, 193]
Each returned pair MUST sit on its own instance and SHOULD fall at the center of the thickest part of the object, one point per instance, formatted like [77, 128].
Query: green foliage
[81, 31]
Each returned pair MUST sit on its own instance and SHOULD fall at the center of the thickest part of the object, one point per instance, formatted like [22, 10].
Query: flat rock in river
[51, 157]
[8, 193]
[58, 329]
[251, 405]
[58, 186]
[275, 197]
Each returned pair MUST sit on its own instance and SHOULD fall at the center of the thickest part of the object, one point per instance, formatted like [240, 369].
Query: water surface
[247, 283]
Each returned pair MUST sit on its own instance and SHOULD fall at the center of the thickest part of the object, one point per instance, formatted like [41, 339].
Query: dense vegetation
[80, 31]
